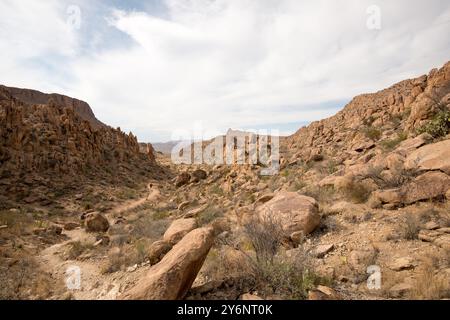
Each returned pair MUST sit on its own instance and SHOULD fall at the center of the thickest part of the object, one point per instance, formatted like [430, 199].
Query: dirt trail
[154, 194]
[93, 283]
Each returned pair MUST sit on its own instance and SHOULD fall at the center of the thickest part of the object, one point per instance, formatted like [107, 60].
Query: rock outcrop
[173, 276]
[48, 142]
[294, 212]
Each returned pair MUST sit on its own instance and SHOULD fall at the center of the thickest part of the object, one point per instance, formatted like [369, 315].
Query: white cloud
[31, 33]
[241, 63]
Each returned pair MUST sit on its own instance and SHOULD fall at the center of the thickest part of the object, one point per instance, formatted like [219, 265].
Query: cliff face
[53, 141]
[81, 108]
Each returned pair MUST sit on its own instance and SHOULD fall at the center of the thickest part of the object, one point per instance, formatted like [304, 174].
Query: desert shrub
[265, 235]
[160, 214]
[77, 248]
[126, 256]
[322, 194]
[356, 192]
[276, 273]
[291, 278]
[147, 227]
[390, 144]
[372, 133]
[332, 166]
[430, 285]
[410, 227]
[439, 125]
[24, 280]
[208, 215]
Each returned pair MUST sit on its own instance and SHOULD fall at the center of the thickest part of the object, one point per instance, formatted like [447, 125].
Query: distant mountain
[165, 147]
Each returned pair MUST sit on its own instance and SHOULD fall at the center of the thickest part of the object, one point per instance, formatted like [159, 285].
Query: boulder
[198, 175]
[173, 276]
[426, 186]
[410, 145]
[157, 250]
[182, 179]
[178, 229]
[429, 185]
[402, 264]
[434, 156]
[95, 222]
[295, 212]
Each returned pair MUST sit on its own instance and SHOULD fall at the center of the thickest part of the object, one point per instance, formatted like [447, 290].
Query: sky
[163, 68]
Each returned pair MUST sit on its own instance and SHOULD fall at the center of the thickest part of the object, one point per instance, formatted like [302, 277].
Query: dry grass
[356, 192]
[430, 285]
[410, 227]
[77, 248]
[125, 256]
[275, 273]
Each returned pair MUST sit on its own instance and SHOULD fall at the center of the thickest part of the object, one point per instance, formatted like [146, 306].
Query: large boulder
[426, 186]
[178, 229]
[173, 276]
[434, 156]
[429, 185]
[95, 222]
[295, 212]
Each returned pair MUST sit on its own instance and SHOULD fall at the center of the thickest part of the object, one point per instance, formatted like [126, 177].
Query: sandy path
[93, 283]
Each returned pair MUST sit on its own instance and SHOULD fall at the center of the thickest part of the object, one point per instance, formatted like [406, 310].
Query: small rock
[402, 264]
[132, 268]
[297, 237]
[323, 249]
[71, 226]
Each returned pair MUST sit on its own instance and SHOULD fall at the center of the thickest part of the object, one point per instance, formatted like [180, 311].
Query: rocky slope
[81, 108]
[47, 139]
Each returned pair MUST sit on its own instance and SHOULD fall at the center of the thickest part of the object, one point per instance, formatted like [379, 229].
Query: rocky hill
[81, 108]
[46, 139]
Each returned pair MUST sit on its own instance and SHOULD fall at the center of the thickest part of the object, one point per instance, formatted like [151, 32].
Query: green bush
[438, 126]
[372, 133]
[390, 144]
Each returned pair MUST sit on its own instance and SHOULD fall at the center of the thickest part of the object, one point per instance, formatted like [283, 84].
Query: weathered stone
[182, 179]
[173, 276]
[434, 156]
[402, 263]
[157, 250]
[178, 229]
[294, 212]
[322, 250]
[95, 222]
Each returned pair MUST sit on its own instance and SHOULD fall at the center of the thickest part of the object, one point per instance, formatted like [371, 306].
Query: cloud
[239, 63]
[35, 38]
